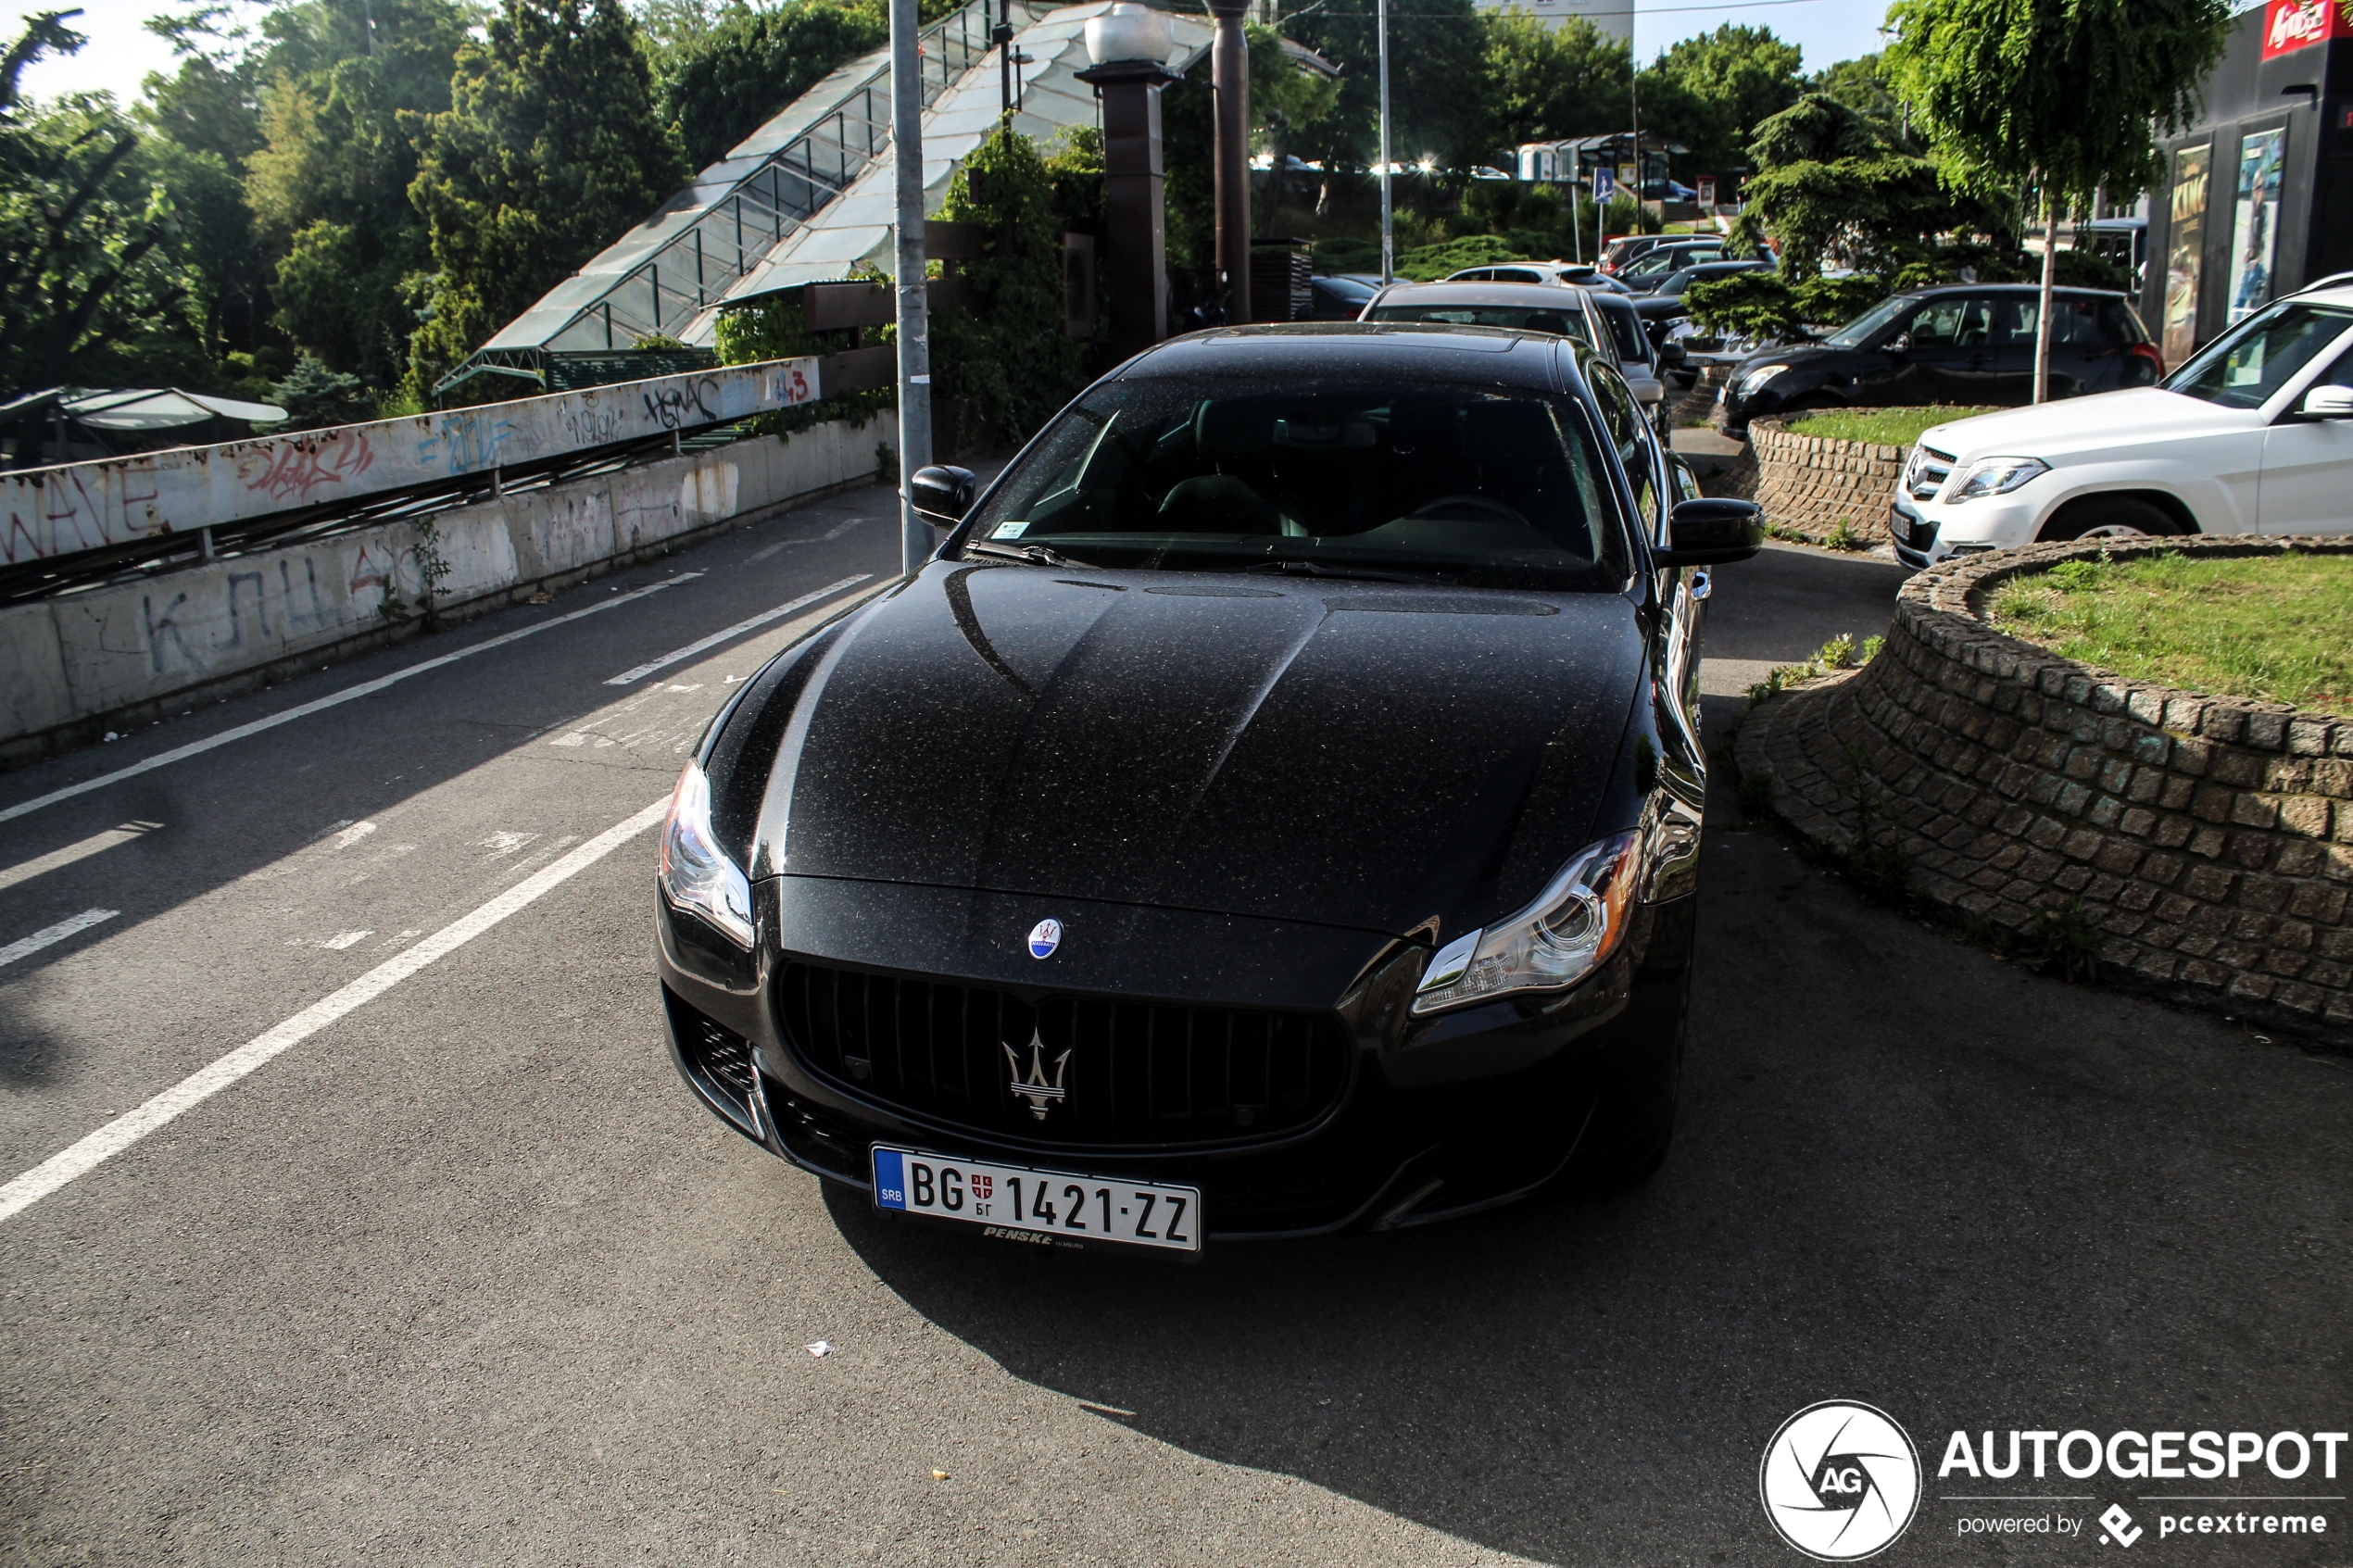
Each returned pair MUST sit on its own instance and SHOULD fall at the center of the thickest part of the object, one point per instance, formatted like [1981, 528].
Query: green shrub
[1752, 305]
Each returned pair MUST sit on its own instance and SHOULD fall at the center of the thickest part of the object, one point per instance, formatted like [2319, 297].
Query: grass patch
[2279, 628]
[1888, 427]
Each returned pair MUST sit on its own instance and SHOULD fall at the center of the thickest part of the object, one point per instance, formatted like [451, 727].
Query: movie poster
[2255, 224]
[2185, 245]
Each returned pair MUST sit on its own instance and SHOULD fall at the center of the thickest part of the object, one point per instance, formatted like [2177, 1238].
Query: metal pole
[1388, 236]
[914, 345]
[1230, 77]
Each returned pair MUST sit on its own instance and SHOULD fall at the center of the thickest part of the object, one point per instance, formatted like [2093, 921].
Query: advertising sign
[2255, 221]
[1706, 185]
[2184, 241]
[2298, 24]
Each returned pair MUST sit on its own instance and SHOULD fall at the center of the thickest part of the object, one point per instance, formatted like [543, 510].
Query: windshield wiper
[1293, 566]
[1035, 555]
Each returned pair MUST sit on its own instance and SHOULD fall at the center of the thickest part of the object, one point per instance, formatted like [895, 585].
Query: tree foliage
[1435, 61]
[1832, 180]
[1547, 83]
[1710, 93]
[745, 66]
[2072, 92]
[89, 241]
[1011, 355]
[549, 151]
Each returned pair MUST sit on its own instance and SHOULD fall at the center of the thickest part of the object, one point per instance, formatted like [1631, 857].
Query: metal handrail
[664, 294]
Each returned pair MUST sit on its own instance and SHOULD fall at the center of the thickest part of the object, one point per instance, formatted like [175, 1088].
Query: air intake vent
[1069, 1070]
[718, 1055]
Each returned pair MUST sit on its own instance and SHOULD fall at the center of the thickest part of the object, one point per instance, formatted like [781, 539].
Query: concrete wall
[2203, 844]
[74, 663]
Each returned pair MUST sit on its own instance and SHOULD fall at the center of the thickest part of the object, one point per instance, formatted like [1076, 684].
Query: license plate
[1017, 1202]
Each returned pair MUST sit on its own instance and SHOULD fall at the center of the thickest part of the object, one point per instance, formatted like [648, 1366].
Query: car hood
[2138, 416]
[1352, 754]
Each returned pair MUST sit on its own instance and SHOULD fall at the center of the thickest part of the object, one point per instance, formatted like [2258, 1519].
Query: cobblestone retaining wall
[2207, 841]
[1808, 483]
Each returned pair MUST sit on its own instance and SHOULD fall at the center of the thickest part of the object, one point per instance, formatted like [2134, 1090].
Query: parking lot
[464, 1275]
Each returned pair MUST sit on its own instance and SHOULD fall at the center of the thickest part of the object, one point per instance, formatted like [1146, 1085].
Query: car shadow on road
[1906, 1174]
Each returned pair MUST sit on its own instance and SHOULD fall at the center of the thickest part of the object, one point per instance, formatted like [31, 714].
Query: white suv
[2255, 434]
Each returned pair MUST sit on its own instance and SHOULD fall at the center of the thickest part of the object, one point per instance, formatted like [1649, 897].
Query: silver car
[1605, 321]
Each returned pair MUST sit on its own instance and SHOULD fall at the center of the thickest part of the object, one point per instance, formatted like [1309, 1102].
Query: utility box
[1281, 281]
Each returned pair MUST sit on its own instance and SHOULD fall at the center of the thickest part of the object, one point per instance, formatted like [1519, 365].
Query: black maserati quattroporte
[1275, 809]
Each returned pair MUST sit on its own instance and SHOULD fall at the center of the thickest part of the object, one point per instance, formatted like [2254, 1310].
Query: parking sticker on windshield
[1010, 530]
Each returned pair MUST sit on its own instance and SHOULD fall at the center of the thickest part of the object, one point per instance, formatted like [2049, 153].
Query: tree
[2068, 95]
[329, 189]
[1710, 92]
[1435, 60]
[1009, 356]
[315, 396]
[88, 240]
[549, 152]
[1861, 84]
[1830, 178]
[1545, 83]
[743, 66]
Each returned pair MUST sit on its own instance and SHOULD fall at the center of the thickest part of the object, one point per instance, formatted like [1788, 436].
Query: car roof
[1536, 296]
[1936, 290]
[1288, 352]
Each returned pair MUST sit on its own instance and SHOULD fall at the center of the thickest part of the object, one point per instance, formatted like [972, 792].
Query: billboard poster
[2255, 221]
[2298, 24]
[2185, 245]
[1706, 185]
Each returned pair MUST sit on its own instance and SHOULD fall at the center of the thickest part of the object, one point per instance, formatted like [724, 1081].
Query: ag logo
[1840, 1481]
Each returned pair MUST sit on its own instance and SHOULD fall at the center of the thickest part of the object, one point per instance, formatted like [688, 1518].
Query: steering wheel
[1478, 505]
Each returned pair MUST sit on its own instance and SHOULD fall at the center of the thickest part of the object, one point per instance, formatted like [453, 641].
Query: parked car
[1961, 343]
[1275, 809]
[1591, 315]
[1339, 298]
[1647, 271]
[1571, 274]
[1663, 307]
[2252, 436]
[1617, 252]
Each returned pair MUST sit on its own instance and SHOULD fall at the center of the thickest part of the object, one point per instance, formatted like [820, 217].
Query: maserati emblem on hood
[1044, 937]
[1041, 1094]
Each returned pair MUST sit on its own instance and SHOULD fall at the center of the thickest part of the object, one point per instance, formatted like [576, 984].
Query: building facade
[2256, 198]
[1612, 19]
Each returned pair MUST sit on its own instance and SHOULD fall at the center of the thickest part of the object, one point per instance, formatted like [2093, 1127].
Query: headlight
[1566, 934]
[1752, 380]
[695, 875]
[1997, 476]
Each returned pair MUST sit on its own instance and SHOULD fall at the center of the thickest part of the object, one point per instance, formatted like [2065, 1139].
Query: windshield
[1867, 326]
[1486, 488]
[2243, 368]
[1565, 322]
[1633, 346]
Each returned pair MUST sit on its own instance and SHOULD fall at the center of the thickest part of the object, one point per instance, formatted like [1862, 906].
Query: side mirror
[2329, 403]
[942, 495]
[1707, 532]
[1900, 343]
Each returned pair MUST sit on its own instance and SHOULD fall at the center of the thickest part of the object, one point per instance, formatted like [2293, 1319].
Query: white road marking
[628, 677]
[577, 737]
[835, 532]
[86, 1156]
[365, 688]
[502, 845]
[351, 836]
[49, 935]
[347, 939]
[72, 852]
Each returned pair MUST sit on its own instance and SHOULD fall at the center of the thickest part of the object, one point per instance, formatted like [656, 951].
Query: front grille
[1069, 1070]
[1927, 472]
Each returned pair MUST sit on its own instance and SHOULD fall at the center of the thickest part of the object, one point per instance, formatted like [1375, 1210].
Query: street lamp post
[1387, 245]
[1230, 77]
[1129, 47]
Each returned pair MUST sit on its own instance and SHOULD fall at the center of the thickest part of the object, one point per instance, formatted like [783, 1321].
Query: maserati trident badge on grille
[1041, 1094]
[1044, 937]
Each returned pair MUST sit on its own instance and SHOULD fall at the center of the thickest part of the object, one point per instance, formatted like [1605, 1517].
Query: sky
[121, 51]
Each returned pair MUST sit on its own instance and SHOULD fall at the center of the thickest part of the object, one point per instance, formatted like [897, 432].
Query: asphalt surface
[463, 1276]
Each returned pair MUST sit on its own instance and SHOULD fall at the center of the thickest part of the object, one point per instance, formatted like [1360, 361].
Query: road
[460, 1275]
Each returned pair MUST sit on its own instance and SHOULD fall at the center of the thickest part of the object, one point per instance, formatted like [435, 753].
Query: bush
[1834, 302]
[315, 396]
[1427, 264]
[1750, 305]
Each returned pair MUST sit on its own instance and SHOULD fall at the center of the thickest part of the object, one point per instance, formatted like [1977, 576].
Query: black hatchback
[1963, 345]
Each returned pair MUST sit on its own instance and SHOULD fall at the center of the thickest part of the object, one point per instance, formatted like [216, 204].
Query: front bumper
[1929, 532]
[1437, 1117]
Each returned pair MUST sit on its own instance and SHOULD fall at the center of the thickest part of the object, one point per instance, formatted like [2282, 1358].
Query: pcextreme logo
[1840, 1481]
